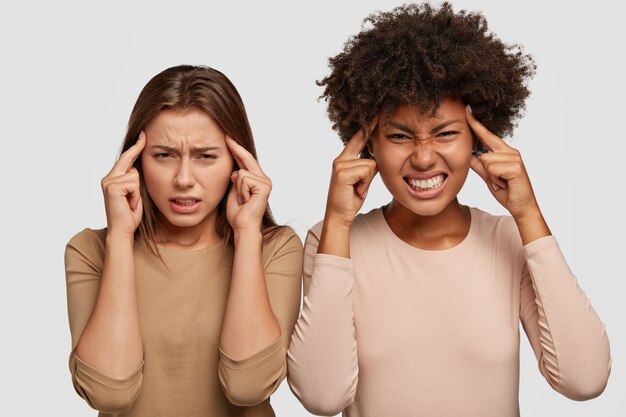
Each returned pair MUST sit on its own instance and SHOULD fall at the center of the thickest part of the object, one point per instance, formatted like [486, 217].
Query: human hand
[503, 171]
[350, 180]
[250, 190]
[122, 199]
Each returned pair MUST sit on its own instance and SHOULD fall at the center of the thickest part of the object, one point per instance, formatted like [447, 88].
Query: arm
[260, 317]
[568, 338]
[111, 340]
[107, 350]
[262, 302]
[322, 358]
[249, 322]
[92, 376]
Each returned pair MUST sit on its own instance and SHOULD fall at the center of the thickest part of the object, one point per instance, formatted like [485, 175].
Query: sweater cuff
[333, 260]
[538, 244]
[253, 360]
[94, 375]
[252, 380]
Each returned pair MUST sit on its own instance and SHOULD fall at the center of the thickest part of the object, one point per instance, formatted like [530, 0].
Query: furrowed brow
[402, 127]
[443, 125]
[206, 148]
[164, 148]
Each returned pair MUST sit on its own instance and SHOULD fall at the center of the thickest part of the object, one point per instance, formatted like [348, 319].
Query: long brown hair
[186, 87]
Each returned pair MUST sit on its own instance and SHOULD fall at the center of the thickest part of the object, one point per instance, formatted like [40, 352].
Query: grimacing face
[186, 167]
[424, 161]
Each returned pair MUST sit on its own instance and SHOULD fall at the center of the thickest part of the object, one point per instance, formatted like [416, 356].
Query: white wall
[71, 72]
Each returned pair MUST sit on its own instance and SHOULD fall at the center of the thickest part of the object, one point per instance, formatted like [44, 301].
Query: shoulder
[363, 223]
[86, 250]
[499, 230]
[503, 224]
[280, 241]
[89, 240]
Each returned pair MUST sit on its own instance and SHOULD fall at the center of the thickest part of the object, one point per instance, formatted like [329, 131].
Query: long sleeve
[322, 358]
[252, 380]
[84, 259]
[568, 338]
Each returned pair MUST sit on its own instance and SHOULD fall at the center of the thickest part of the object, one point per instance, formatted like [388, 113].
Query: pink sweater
[399, 331]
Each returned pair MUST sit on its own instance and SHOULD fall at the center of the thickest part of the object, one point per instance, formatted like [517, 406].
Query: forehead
[448, 109]
[189, 126]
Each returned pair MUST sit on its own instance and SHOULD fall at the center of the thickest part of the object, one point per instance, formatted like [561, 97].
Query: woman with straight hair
[413, 309]
[183, 305]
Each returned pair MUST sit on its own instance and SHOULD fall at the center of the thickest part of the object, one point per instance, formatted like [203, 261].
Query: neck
[199, 236]
[443, 230]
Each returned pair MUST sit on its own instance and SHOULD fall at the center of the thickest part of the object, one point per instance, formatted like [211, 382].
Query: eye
[447, 135]
[398, 137]
[162, 155]
[207, 156]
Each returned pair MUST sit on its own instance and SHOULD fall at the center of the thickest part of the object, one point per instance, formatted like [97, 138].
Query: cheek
[390, 159]
[147, 169]
[461, 154]
[218, 178]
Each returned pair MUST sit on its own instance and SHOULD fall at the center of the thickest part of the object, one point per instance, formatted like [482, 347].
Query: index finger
[491, 141]
[129, 156]
[244, 158]
[356, 144]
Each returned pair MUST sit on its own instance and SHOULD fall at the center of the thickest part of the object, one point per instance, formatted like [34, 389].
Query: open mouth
[429, 184]
[184, 205]
[186, 202]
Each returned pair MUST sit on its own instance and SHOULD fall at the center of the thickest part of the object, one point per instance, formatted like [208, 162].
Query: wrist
[531, 214]
[339, 223]
[532, 226]
[335, 239]
[251, 234]
[117, 237]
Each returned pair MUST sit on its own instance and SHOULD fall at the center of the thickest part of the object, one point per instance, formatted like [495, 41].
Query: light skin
[187, 162]
[413, 148]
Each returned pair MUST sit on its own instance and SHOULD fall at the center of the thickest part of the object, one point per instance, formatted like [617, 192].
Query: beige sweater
[397, 331]
[180, 312]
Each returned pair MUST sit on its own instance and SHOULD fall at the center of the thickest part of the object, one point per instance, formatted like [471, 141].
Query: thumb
[364, 185]
[479, 168]
[361, 189]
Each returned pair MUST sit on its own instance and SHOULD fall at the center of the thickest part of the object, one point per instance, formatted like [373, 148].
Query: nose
[184, 175]
[423, 155]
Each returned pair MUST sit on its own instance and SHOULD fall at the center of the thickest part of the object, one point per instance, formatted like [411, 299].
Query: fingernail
[495, 187]
[469, 108]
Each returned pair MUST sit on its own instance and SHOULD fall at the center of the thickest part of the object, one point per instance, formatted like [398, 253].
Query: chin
[424, 208]
[182, 221]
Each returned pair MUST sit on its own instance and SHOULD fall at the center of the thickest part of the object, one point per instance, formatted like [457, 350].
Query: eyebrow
[444, 125]
[412, 132]
[194, 149]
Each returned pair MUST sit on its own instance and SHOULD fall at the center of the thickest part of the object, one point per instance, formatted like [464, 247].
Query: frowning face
[423, 160]
[186, 167]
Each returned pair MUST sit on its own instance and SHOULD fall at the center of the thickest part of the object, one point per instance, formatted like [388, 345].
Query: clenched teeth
[429, 184]
[185, 202]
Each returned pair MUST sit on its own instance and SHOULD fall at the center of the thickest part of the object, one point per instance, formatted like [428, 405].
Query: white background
[71, 72]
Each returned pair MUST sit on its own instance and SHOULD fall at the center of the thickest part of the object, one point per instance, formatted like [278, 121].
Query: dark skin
[416, 146]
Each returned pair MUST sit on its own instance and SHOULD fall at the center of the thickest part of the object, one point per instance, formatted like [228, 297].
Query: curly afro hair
[419, 55]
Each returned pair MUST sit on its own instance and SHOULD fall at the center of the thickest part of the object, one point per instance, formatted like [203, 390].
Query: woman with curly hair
[413, 309]
[184, 304]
